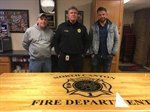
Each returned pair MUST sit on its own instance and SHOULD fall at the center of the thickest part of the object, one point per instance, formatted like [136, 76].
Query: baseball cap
[41, 14]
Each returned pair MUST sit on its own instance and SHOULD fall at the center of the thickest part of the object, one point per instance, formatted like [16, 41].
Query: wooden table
[75, 92]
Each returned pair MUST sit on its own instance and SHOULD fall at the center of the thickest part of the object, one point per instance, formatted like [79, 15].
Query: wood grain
[47, 92]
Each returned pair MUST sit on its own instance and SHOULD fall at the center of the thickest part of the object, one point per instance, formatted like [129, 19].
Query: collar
[104, 25]
[70, 24]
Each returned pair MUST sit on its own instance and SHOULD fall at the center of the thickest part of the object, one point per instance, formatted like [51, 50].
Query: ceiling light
[125, 1]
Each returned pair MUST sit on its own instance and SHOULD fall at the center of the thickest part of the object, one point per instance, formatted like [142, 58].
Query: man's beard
[102, 20]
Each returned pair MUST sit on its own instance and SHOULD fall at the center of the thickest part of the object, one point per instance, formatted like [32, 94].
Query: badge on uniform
[79, 30]
[67, 58]
[66, 30]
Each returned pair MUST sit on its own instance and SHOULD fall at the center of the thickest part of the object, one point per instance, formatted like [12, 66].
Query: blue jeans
[105, 63]
[44, 65]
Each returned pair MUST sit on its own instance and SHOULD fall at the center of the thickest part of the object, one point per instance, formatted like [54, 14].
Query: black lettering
[94, 102]
[35, 102]
[90, 75]
[60, 76]
[69, 102]
[78, 102]
[55, 77]
[95, 75]
[111, 102]
[41, 103]
[147, 101]
[112, 77]
[103, 102]
[86, 101]
[48, 102]
[57, 102]
[130, 102]
[138, 102]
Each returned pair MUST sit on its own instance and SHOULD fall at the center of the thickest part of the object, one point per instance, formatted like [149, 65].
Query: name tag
[67, 58]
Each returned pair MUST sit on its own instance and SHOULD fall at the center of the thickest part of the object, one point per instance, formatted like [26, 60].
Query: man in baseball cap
[42, 14]
[42, 20]
[37, 40]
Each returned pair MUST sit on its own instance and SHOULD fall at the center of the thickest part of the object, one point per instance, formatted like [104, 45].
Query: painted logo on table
[87, 87]
[90, 86]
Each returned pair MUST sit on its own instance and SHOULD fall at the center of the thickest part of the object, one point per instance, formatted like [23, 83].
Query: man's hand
[92, 56]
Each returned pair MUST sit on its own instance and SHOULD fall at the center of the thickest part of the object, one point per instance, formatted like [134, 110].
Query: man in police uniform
[71, 42]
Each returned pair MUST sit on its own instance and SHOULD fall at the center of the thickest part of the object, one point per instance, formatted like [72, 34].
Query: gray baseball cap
[42, 14]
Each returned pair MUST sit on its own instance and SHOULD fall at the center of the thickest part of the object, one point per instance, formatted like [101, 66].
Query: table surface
[75, 92]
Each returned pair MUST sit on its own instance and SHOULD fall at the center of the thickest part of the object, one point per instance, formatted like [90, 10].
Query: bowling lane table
[75, 92]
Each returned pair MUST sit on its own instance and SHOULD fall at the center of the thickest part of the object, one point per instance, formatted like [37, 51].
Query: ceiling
[135, 5]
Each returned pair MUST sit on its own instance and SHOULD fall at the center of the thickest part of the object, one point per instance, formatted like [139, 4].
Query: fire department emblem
[87, 87]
